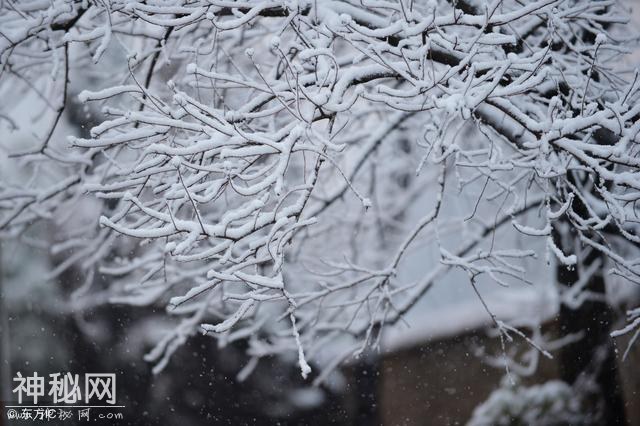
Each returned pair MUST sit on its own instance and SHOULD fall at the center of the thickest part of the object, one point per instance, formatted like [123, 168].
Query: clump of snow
[306, 398]
[553, 402]
[345, 19]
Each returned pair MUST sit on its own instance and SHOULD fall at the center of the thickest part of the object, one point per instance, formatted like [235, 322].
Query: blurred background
[436, 369]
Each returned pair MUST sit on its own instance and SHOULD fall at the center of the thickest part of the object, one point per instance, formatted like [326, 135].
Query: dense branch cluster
[256, 161]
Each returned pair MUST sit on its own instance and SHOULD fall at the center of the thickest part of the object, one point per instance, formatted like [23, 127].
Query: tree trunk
[366, 389]
[592, 358]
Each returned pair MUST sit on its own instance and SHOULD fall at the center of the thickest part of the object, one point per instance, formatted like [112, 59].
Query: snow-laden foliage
[551, 403]
[256, 161]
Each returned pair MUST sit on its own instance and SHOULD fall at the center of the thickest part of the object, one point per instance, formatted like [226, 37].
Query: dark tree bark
[366, 390]
[592, 358]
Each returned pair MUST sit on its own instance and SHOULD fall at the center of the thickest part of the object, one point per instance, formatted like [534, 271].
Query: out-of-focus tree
[256, 161]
